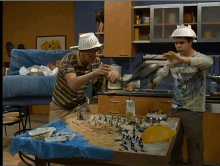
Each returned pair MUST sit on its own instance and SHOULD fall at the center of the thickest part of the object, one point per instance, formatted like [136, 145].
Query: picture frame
[56, 42]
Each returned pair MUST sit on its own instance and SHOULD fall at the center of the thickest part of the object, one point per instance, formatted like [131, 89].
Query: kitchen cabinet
[204, 19]
[142, 28]
[144, 104]
[117, 29]
[164, 20]
[209, 22]
[117, 104]
[211, 134]
[112, 104]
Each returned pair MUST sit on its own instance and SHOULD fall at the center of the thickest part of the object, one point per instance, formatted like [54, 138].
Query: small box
[213, 87]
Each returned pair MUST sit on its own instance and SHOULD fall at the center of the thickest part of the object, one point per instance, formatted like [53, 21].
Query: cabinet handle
[113, 101]
[164, 101]
[123, 54]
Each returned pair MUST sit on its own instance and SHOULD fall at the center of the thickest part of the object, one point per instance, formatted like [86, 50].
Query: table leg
[39, 162]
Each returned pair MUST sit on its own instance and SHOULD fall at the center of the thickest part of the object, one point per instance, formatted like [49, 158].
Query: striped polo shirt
[63, 96]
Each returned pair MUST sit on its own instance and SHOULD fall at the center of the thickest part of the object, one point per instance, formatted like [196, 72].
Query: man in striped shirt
[76, 71]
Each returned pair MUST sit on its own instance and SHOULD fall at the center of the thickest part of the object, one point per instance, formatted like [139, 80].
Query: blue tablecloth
[78, 147]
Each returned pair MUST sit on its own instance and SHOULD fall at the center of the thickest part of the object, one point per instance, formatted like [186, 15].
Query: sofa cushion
[31, 57]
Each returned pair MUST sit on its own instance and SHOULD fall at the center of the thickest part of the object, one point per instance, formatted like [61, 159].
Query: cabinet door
[118, 29]
[164, 20]
[144, 104]
[209, 22]
[211, 134]
[112, 104]
[112, 101]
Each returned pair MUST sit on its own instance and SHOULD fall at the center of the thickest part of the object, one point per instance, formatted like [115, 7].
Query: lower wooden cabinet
[112, 104]
[107, 104]
[144, 104]
[211, 134]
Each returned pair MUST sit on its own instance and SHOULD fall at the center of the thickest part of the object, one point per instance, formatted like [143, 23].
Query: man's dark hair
[189, 39]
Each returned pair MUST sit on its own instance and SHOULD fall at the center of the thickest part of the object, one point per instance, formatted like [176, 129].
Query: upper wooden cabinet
[204, 19]
[164, 20]
[118, 28]
[209, 22]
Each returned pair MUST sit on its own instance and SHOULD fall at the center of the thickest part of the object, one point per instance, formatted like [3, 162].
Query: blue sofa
[20, 90]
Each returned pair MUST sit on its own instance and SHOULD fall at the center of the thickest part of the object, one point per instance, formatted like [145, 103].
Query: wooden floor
[37, 120]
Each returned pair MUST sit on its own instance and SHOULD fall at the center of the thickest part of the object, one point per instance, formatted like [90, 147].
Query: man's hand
[113, 77]
[174, 58]
[102, 71]
[152, 84]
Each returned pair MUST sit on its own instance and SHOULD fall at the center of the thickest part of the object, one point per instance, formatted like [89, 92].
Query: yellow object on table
[157, 134]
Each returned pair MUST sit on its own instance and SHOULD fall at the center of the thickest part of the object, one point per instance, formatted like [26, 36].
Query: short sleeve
[67, 64]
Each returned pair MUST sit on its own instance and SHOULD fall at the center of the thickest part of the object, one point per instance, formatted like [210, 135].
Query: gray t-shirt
[189, 82]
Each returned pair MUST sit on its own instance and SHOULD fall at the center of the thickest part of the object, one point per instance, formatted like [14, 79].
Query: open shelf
[190, 23]
[141, 7]
[141, 41]
[141, 25]
[211, 23]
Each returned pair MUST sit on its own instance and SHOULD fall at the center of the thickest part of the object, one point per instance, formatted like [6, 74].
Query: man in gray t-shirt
[188, 69]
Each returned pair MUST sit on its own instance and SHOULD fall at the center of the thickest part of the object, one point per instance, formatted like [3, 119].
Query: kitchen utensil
[172, 19]
[144, 72]
[188, 18]
[118, 85]
[184, 31]
[194, 18]
[208, 34]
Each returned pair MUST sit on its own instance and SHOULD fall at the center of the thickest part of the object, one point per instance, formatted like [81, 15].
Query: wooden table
[123, 158]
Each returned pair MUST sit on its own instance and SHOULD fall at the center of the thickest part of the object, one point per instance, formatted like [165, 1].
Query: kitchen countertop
[149, 93]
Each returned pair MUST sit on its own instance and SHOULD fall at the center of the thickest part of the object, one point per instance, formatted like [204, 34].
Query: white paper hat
[87, 41]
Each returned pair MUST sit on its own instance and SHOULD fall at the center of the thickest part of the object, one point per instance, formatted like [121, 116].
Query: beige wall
[23, 21]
